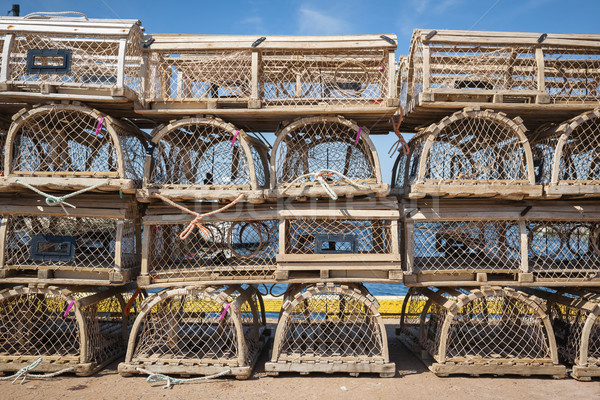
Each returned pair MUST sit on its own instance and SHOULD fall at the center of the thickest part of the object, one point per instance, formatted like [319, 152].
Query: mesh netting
[314, 144]
[219, 251]
[69, 243]
[571, 74]
[33, 324]
[314, 236]
[569, 321]
[470, 147]
[94, 60]
[61, 140]
[330, 323]
[410, 317]
[207, 74]
[197, 325]
[466, 246]
[564, 250]
[503, 326]
[297, 77]
[203, 152]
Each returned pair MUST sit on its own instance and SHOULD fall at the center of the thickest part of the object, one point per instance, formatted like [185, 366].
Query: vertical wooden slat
[8, 42]
[541, 78]
[255, 71]
[426, 68]
[524, 247]
[121, 63]
[392, 84]
[119, 246]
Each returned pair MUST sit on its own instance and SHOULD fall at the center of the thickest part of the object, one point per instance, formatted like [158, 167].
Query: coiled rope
[196, 221]
[152, 377]
[24, 372]
[319, 176]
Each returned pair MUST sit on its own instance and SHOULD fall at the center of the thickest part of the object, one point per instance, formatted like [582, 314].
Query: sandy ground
[412, 381]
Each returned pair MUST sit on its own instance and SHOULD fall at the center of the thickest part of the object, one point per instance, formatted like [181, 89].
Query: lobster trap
[544, 77]
[96, 243]
[240, 244]
[471, 153]
[330, 328]
[298, 75]
[198, 331]
[492, 330]
[325, 157]
[69, 146]
[354, 241]
[524, 243]
[205, 158]
[76, 330]
[574, 315]
[568, 157]
[58, 54]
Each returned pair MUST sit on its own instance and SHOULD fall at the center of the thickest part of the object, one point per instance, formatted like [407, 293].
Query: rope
[54, 200]
[319, 177]
[401, 140]
[130, 302]
[24, 372]
[196, 221]
[177, 381]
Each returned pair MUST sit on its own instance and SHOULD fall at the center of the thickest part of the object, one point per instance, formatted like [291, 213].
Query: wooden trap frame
[574, 314]
[96, 243]
[543, 77]
[58, 56]
[568, 157]
[325, 157]
[330, 328]
[260, 81]
[72, 147]
[472, 153]
[76, 330]
[491, 330]
[207, 159]
[198, 331]
[524, 243]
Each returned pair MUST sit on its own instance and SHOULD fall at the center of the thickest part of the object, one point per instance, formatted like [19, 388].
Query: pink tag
[357, 135]
[224, 312]
[99, 126]
[69, 308]
[235, 137]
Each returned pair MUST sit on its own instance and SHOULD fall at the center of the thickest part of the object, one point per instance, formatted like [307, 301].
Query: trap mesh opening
[330, 323]
[213, 325]
[207, 153]
[321, 145]
[221, 250]
[34, 322]
[73, 141]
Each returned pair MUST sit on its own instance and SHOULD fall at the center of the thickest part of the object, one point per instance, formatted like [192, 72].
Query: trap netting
[410, 318]
[571, 74]
[95, 54]
[198, 330]
[71, 243]
[564, 250]
[338, 236]
[576, 325]
[199, 74]
[333, 77]
[61, 140]
[569, 154]
[84, 329]
[470, 147]
[207, 153]
[491, 325]
[332, 323]
[331, 150]
[465, 245]
[218, 250]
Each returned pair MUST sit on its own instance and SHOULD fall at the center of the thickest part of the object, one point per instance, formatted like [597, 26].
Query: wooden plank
[121, 62]
[6, 49]
[333, 258]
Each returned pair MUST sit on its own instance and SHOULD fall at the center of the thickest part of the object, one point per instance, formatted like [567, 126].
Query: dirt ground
[412, 381]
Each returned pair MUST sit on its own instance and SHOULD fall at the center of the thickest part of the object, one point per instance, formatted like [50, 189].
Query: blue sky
[310, 17]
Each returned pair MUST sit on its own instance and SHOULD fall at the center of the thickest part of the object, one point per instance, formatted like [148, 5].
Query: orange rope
[196, 221]
[130, 302]
[396, 127]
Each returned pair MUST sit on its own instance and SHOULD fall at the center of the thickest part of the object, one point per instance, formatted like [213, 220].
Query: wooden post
[391, 78]
[119, 246]
[524, 247]
[145, 249]
[426, 68]
[3, 230]
[8, 42]
[121, 63]
[283, 229]
[541, 78]
[409, 234]
[255, 100]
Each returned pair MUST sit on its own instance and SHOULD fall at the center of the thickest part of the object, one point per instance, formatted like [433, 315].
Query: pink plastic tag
[357, 135]
[235, 137]
[99, 126]
[224, 312]
[68, 310]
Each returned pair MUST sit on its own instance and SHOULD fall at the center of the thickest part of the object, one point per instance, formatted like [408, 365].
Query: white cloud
[313, 22]
[256, 24]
